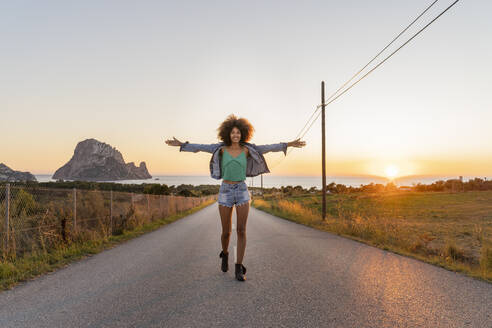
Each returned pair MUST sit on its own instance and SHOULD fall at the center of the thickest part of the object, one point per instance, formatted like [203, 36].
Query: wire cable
[383, 61]
[380, 52]
[370, 61]
[394, 52]
[332, 98]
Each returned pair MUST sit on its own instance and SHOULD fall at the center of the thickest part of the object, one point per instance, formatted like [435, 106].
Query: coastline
[277, 181]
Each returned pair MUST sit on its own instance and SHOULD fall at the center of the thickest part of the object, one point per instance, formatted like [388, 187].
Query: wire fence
[37, 219]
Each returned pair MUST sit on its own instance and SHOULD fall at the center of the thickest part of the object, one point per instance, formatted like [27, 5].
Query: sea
[278, 181]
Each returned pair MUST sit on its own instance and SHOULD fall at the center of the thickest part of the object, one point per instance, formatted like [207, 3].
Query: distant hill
[97, 161]
[7, 174]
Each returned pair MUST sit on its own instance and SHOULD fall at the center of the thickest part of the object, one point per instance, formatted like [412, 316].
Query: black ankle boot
[225, 261]
[240, 272]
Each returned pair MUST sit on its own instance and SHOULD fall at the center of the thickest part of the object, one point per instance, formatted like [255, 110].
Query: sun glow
[391, 171]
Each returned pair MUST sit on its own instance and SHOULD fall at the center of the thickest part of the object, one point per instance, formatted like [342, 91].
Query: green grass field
[453, 230]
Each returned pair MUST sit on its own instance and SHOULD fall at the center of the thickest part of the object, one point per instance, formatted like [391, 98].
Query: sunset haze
[135, 74]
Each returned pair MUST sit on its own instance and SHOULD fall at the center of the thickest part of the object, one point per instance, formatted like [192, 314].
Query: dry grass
[85, 243]
[42, 219]
[453, 230]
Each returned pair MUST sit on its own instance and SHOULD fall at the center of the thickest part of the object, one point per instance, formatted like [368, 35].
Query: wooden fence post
[111, 213]
[7, 216]
[74, 209]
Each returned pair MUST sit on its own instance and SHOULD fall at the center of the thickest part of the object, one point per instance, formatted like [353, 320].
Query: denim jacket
[255, 163]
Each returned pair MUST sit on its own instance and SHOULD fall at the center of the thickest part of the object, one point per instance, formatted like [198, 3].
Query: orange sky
[131, 83]
[169, 161]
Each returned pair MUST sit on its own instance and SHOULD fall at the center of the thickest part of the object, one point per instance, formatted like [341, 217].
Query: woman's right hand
[174, 142]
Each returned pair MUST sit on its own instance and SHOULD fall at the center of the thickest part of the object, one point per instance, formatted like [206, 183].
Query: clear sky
[132, 73]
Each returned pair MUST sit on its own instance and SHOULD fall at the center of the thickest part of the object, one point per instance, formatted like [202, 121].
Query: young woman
[234, 159]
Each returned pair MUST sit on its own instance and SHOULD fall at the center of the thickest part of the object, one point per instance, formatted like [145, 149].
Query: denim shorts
[230, 194]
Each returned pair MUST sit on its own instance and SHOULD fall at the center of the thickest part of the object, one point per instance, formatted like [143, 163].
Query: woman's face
[235, 134]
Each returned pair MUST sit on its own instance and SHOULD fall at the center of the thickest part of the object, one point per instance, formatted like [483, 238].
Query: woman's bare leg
[225, 218]
[242, 217]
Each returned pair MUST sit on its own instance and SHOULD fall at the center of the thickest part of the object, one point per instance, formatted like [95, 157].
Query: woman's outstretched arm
[186, 146]
[282, 146]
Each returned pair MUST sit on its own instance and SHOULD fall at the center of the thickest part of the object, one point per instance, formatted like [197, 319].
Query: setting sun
[391, 171]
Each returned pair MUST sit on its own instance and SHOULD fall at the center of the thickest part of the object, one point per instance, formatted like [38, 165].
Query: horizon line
[313, 176]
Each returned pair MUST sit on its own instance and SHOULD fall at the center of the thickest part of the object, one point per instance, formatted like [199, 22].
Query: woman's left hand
[296, 143]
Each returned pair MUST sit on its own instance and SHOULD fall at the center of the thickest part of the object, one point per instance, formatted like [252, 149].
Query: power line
[380, 52]
[308, 121]
[383, 61]
[368, 63]
[388, 57]
[375, 67]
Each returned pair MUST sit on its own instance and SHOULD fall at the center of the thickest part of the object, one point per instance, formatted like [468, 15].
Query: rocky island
[97, 161]
[7, 174]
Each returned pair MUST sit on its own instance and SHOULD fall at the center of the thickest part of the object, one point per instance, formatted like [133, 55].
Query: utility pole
[323, 154]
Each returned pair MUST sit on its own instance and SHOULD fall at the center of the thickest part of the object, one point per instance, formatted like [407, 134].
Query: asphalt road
[296, 277]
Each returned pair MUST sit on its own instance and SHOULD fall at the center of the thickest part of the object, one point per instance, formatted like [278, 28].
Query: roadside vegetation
[48, 228]
[446, 228]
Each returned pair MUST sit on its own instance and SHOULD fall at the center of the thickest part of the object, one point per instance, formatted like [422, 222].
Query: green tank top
[233, 168]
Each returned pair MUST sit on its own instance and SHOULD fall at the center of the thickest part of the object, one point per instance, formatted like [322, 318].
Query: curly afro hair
[232, 121]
